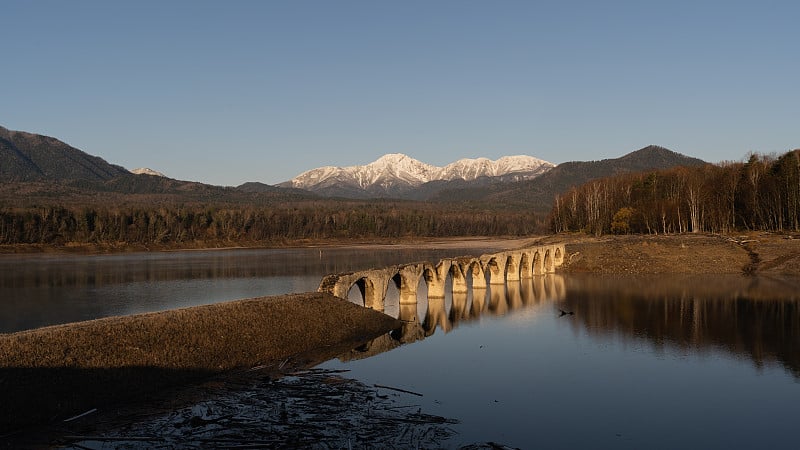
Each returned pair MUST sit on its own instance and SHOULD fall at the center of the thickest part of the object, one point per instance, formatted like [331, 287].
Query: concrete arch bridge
[481, 271]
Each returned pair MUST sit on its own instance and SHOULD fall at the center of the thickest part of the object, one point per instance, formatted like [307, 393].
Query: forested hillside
[761, 194]
[217, 225]
[539, 193]
[27, 156]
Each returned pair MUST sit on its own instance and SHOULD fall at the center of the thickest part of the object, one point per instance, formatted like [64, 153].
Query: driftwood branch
[397, 389]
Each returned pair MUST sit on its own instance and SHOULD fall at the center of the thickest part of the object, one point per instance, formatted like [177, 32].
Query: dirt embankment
[57, 372]
[755, 253]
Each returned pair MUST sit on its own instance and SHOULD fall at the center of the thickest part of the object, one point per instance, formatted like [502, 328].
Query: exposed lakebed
[570, 361]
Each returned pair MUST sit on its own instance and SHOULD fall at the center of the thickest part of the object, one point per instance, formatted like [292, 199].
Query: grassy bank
[54, 373]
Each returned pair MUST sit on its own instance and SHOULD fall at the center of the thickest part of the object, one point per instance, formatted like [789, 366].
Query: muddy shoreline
[120, 248]
[51, 374]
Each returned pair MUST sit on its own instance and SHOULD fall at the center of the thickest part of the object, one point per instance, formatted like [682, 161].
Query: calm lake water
[43, 290]
[641, 362]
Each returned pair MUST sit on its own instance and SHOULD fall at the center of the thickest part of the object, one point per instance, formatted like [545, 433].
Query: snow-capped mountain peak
[396, 172]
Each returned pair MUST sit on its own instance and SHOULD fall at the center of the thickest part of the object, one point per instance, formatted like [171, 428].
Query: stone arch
[548, 261]
[512, 269]
[525, 267]
[369, 294]
[537, 266]
[496, 272]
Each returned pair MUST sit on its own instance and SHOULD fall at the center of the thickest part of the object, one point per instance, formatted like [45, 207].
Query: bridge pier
[495, 266]
[436, 277]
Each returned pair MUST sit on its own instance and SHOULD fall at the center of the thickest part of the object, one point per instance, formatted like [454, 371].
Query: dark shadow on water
[144, 407]
[36, 396]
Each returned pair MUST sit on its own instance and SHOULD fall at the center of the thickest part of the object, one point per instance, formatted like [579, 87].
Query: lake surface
[641, 362]
[41, 290]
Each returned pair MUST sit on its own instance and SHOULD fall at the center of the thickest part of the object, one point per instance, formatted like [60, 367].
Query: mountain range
[397, 175]
[36, 168]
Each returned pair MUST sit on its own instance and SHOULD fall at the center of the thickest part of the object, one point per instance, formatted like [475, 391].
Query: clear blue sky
[228, 92]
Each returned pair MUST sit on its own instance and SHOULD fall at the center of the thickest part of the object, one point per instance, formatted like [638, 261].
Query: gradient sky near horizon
[229, 92]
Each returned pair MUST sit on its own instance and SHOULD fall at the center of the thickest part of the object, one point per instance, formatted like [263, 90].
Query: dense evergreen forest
[760, 194]
[215, 225]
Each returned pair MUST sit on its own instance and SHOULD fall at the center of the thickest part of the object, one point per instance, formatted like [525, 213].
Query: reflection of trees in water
[100, 270]
[695, 315]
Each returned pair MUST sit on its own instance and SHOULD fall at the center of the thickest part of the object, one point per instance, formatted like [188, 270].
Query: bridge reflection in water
[469, 284]
[749, 318]
[422, 319]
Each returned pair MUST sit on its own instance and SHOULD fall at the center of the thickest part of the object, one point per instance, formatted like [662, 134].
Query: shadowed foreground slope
[54, 373]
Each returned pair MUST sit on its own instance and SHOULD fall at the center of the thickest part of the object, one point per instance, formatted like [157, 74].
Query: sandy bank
[752, 254]
[399, 243]
[53, 373]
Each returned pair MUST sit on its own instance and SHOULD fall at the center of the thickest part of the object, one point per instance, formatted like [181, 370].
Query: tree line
[760, 194]
[242, 224]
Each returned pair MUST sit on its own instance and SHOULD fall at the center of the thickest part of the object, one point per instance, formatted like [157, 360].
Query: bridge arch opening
[422, 299]
[362, 292]
[537, 263]
[512, 269]
[525, 269]
[548, 262]
[391, 299]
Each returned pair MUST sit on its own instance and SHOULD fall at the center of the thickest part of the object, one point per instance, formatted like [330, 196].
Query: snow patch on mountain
[147, 171]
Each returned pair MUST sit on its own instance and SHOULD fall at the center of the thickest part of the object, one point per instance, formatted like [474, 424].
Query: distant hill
[33, 157]
[36, 168]
[540, 192]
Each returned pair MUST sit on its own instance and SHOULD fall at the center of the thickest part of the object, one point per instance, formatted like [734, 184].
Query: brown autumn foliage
[761, 194]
